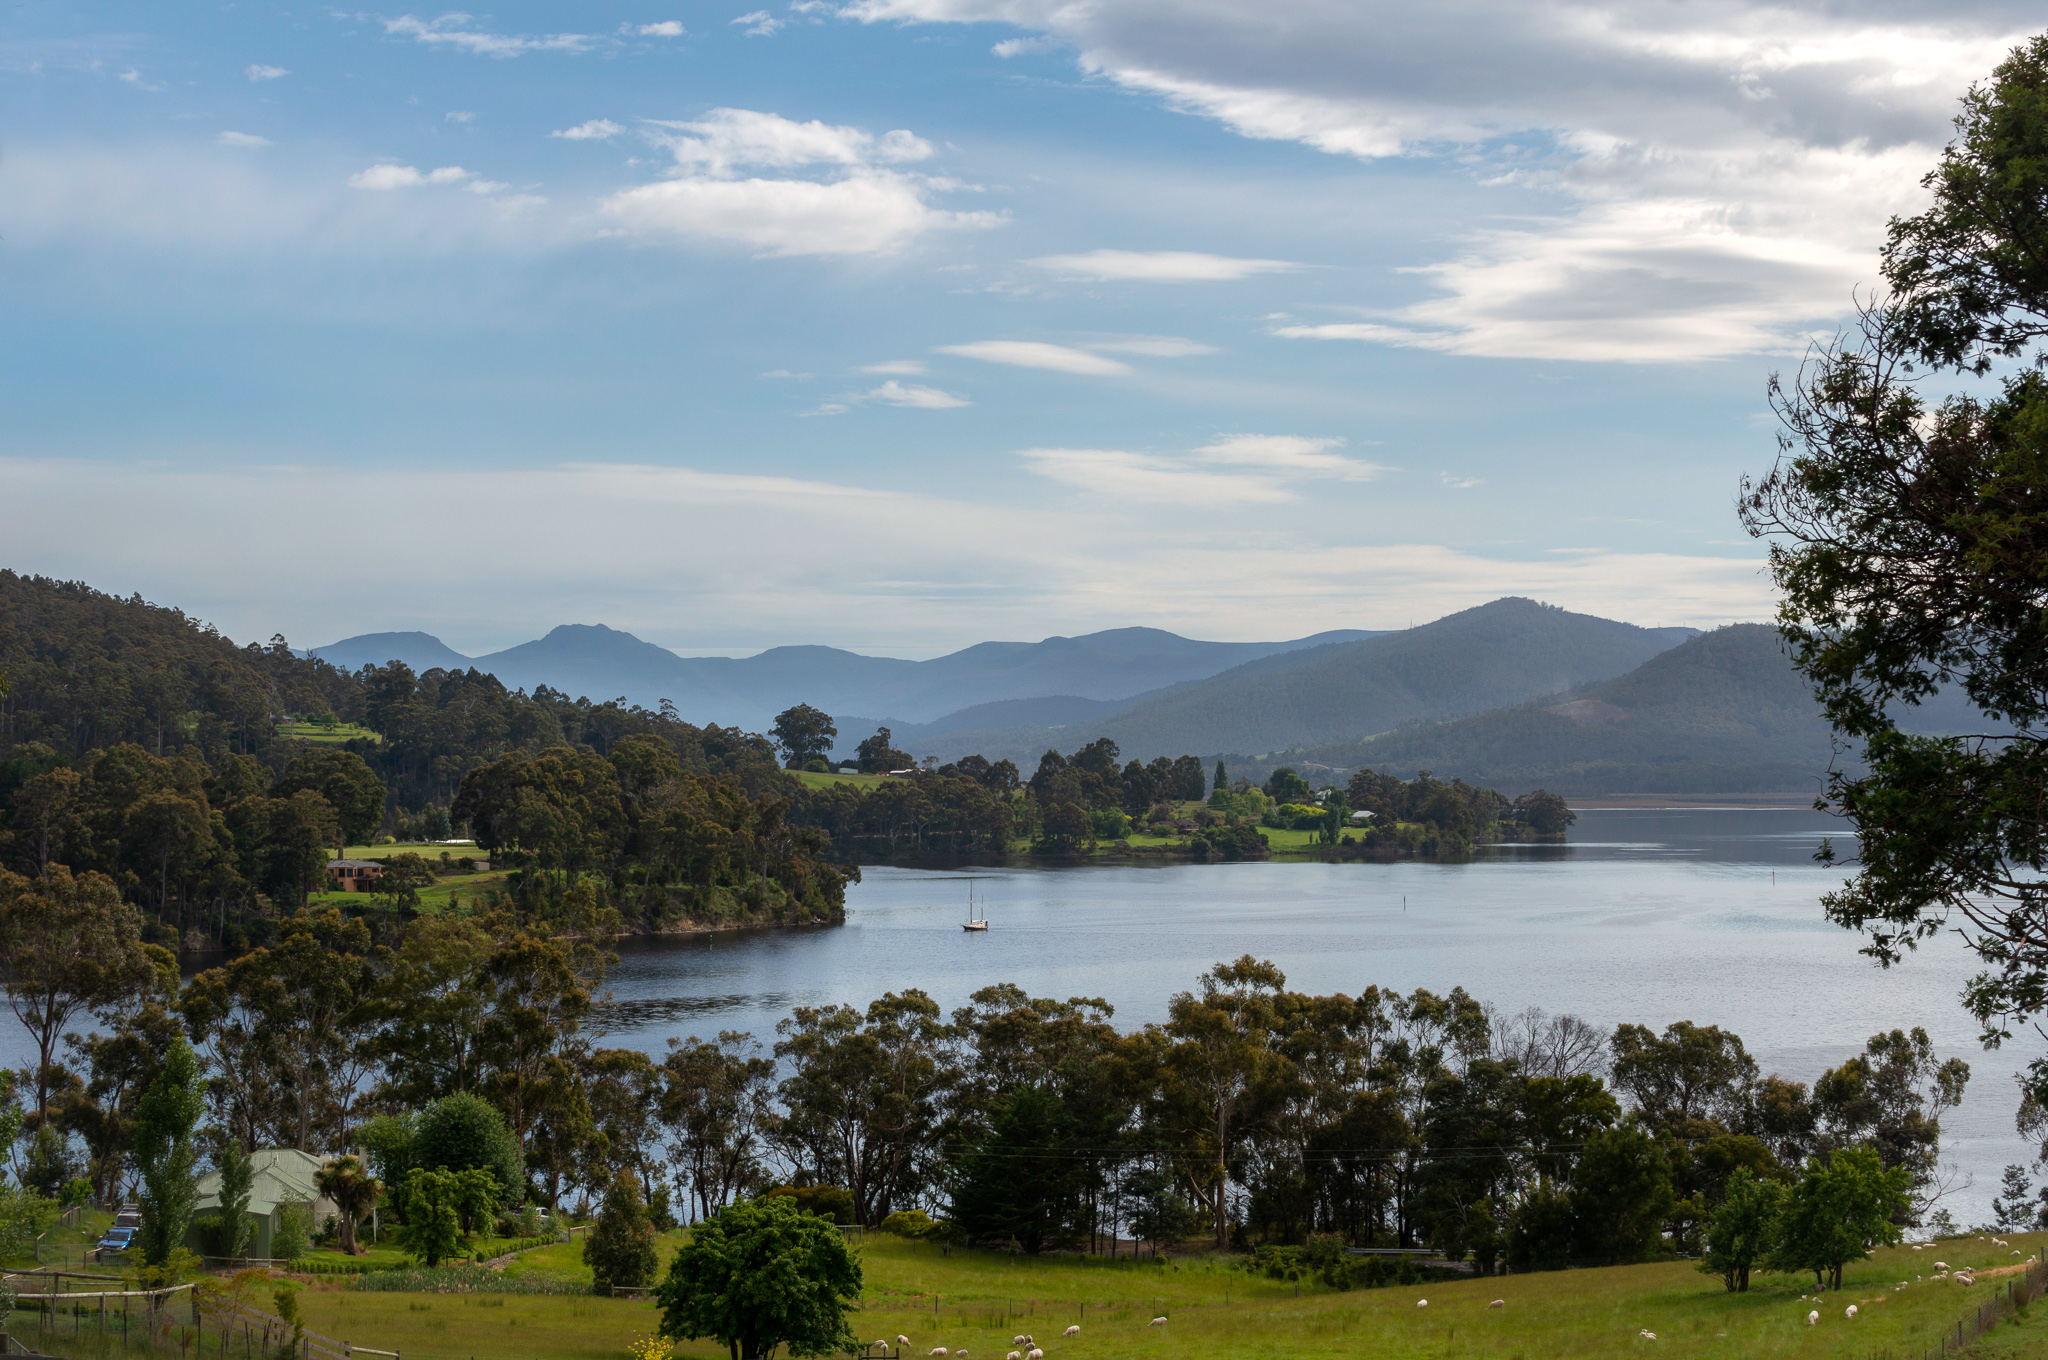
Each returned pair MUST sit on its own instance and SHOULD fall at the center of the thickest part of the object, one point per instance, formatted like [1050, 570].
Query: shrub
[294, 1232]
[620, 1249]
[828, 1202]
[908, 1223]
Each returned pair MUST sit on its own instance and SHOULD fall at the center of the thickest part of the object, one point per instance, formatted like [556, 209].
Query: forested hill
[1501, 653]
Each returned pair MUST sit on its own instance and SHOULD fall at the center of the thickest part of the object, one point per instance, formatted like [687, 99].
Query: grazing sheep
[1919, 1247]
[1941, 1265]
[1813, 1318]
[1422, 1303]
[1498, 1303]
[936, 1350]
[902, 1340]
[1019, 1340]
[1034, 1354]
[1647, 1335]
[1850, 1311]
[1014, 1355]
[1157, 1322]
[1074, 1330]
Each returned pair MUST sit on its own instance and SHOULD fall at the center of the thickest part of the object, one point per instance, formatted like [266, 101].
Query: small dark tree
[165, 1153]
[878, 754]
[1018, 1183]
[237, 1181]
[348, 784]
[763, 1274]
[620, 1248]
[2013, 1210]
[804, 733]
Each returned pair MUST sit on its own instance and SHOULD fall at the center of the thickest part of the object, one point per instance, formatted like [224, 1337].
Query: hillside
[1723, 713]
[1495, 654]
[1100, 668]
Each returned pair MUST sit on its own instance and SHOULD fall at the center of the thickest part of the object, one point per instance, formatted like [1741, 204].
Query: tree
[294, 1235]
[1220, 1057]
[804, 733]
[1690, 1073]
[348, 784]
[763, 1274]
[1544, 813]
[463, 1132]
[878, 754]
[1285, 786]
[1222, 778]
[1017, 1181]
[431, 1203]
[165, 1153]
[2013, 1209]
[237, 1181]
[403, 877]
[620, 1248]
[1843, 1205]
[1621, 1195]
[714, 1104]
[347, 1182]
[67, 945]
[1743, 1229]
[1907, 552]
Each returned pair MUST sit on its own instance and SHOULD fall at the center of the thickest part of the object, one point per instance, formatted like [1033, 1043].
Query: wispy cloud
[596, 130]
[1291, 453]
[247, 139]
[1459, 483]
[1123, 475]
[258, 72]
[1151, 346]
[458, 32]
[856, 203]
[1038, 354]
[387, 176]
[904, 368]
[760, 23]
[1158, 266]
[916, 397]
[667, 28]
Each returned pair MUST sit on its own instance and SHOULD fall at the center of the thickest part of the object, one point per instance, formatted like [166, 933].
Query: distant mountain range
[1501, 653]
[1724, 713]
[1107, 668]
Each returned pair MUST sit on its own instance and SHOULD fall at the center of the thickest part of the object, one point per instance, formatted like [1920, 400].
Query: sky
[898, 325]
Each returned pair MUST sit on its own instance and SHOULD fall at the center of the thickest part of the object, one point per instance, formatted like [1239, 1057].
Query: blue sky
[902, 324]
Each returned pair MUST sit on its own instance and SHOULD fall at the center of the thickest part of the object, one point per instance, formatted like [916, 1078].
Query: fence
[236, 1328]
[2018, 1293]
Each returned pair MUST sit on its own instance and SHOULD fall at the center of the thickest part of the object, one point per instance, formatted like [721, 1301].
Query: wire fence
[2016, 1294]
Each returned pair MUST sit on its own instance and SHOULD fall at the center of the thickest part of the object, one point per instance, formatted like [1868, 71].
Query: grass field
[813, 780]
[325, 736]
[978, 1301]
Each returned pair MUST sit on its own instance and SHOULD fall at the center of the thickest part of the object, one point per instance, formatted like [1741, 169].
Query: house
[353, 875]
[283, 1176]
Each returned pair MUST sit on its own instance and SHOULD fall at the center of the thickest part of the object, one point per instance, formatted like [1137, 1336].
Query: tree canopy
[761, 1275]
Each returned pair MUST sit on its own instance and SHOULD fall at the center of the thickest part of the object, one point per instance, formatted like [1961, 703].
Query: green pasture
[978, 1300]
[813, 780]
[316, 735]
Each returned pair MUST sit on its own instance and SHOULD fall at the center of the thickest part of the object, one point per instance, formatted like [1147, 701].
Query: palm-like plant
[347, 1182]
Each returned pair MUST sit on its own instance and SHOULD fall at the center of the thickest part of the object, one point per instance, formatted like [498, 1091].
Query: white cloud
[869, 209]
[760, 23]
[1018, 47]
[1283, 453]
[916, 397]
[1152, 346]
[1720, 173]
[246, 139]
[725, 139]
[1120, 475]
[1037, 354]
[1159, 266]
[455, 31]
[486, 186]
[256, 72]
[666, 28]
[904, 368]
[131, 76]
[460, 116]
[1459, 483]
[596, 130]
[387, 176]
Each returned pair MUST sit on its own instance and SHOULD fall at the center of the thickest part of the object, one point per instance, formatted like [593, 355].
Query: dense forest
[142, 745]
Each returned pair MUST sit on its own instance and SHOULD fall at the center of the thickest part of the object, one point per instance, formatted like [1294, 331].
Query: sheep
[1034, 1354]
[1074, 1330]
[1813, 1318]
[1422, 1303]
[1647, 1335]
[1941, 1265]
[1917, 1246]
[1019, 1340]
[1850, 1312]
[936, 1350]
[1014, 1355]
[902, 1340]
[1157, 1322]
[1498, 1303]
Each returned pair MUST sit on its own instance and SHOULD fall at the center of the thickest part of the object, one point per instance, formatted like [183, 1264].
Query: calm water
[1647, 916]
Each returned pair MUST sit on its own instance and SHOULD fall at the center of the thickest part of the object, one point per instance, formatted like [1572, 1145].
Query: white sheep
[1941, 1265]
[1813, 1318]
[1850, 1311]
[1034, 1354]
[2015, 1251]
[1074, 1330]
[936, 1350]
[1014, 1355]
[902, 1340]
[1157, 1322]
[882, 1345]
[1019, 1340]
[1422, 1303]
[1919, 1246]
[1647, 1335]
[1498, 1303]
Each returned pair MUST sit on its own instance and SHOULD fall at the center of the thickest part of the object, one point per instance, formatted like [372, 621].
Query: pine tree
[620, 1249]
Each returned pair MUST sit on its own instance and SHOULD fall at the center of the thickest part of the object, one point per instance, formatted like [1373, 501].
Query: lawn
[979, 1300]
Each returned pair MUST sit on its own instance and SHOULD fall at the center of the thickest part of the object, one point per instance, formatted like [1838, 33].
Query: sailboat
[973, 922]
